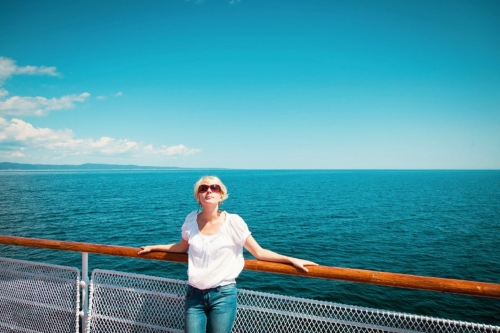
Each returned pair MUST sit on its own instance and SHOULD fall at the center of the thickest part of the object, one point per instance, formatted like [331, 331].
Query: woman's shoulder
[235, 220]
[192, 214]
[233, 217]
[191, 218]
[189, 226]
[237, 228]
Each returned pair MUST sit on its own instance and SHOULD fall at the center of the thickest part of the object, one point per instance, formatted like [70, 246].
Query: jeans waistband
[217, 288]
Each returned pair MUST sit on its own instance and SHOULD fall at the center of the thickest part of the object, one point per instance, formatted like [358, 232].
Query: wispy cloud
[18, 132]
[104, 98]
[21, 140]
[170, 151]
[18, 137]
[19, 106]
[8, 68]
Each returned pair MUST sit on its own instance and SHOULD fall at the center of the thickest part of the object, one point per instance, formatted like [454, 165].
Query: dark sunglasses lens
[203, 188]
[215, 188]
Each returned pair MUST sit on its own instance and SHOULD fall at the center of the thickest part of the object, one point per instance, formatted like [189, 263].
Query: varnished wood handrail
[463, 287]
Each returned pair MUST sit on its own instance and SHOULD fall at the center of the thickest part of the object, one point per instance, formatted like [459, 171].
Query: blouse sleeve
[239, 229]
[187, 226]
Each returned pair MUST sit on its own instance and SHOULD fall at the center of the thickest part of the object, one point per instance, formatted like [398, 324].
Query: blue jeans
[212, 310]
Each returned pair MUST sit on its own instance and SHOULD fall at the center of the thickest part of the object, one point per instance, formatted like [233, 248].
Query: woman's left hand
[301, 263]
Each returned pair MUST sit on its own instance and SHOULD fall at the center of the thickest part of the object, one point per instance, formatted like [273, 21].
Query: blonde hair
[208, 180]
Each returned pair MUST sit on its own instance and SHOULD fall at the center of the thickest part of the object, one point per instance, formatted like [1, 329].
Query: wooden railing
[463, 287]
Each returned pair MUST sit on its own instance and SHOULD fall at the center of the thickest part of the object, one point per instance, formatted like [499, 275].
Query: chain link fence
[37, 297]
[122, 302]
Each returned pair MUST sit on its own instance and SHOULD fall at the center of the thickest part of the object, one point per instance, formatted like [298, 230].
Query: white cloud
[16, 154]
[18, 106]
[34, 70]
[8, 68]
[103, 146]
[103, 98]
[20, 139]
[175, 150]
[18, 135]
[18, 131]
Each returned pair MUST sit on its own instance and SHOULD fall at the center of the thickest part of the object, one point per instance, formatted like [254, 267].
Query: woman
[215, 240]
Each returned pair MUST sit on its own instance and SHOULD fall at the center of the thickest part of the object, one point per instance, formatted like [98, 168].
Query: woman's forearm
[263, 254]
[267, 255]
[180, 247]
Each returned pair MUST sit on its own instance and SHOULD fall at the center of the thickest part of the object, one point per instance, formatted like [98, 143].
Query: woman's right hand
[145, 249]
[181, 247]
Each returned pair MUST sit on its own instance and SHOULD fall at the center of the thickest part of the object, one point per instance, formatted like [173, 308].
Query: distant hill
[86, 166]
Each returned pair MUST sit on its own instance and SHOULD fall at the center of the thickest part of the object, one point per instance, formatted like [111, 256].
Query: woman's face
[209, 193]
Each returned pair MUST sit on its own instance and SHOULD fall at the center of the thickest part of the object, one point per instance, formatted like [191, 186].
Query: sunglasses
[213, 187]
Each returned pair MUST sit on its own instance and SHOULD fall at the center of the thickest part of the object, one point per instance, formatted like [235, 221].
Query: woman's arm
[180, 247]
[262, 254]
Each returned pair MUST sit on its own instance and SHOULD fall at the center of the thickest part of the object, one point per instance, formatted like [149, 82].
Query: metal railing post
[84, 285]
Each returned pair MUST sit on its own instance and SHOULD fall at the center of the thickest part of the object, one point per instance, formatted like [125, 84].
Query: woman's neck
[210, 213]
[209, 221]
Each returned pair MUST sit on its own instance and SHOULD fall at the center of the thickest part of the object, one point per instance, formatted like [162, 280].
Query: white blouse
[215, 260]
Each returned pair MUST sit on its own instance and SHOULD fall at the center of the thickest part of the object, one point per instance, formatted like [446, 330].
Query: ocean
[432, 223]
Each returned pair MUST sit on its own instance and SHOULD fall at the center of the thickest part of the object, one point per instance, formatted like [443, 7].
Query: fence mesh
[37, 297]
[122, 302]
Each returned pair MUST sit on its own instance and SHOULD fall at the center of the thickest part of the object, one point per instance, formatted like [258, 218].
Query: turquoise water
[433, 223]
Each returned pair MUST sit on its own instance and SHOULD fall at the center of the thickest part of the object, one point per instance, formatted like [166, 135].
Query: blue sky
[251, 84]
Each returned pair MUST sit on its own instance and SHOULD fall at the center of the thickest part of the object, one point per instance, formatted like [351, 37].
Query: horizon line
[110, 166]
